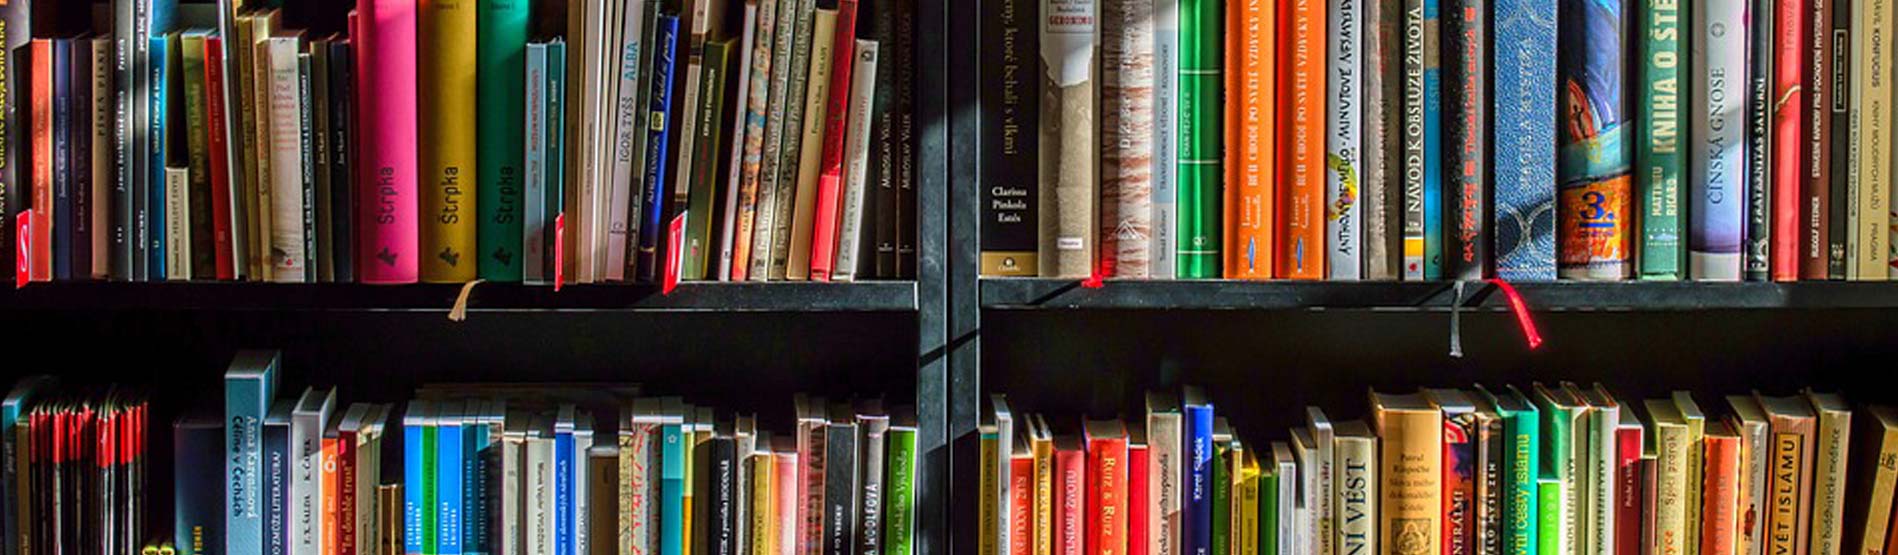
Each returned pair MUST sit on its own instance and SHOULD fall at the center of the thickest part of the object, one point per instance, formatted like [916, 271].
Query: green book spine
[1660, 98]
[1521, 464]
[1550, 495]
[1202, 85]
[899, 510]
[1558, 463]
[431, 543]
[501, 58]
[1269, 514]
[556, 142]
[1222, 497]
[706, 149]
[203, 253]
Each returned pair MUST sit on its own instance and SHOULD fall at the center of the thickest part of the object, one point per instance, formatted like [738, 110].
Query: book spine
[564, 498]
[1815, 187]
[98, 193]
[1197, 514]
[1106, 492]
[628, 146]
[1716, 168]
[260, 129]
[714, 74]
[1139, 498]
[344, 157]
[1069, 159]
[887, 146]
[853, 239]
[1790, 30]
[824, 27]
[1659, 101]
[672, 438]
[1761, 101]
[1344, 108]
[499, 90]
[1829, 482]
[1010, 196]
[177, 237]
[223, 211]
[387, 222]
[757, 106]
[1164, 202]
[288, 263]
[1872, 59]
[430, 480]
[899, 507]
[1460, 475]
[1414, 161]
[1382, 154]
[1597, 526]
[413, 505]
[1302, 213]
[59, 218]
[202, 264]
[1201, 100]
[1839, 36]
[1719, 513]
[1414, 479]
[789, 149]
[839, 531]
[658, 140]
[1127, 98]
[475, 502]
[1521, 497]
[909, 163]
[1251, 145]
[1670, 505]
[1550, 493]
[739, 127]
[1223, 534]
[991, 508]
[1524, 112]
[84, 148]
[200, 483]
[277, 480]
[1359, 518]
[556, 155]
[534, 220]
[1466, 139]
[119, 225]
[245, 401]
[1491, 444]
[770, 167]
[1433, 171]
[1628, 508]
[830, 179]
[1594, 192]
[348, 505]
[445, 47]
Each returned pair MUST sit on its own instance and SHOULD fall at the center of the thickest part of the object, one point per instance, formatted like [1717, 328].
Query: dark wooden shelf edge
[878, 296]
[1058, 294]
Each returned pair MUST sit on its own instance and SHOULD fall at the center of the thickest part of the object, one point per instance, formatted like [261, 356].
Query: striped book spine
[1127, 107]
[1524, 111]
[1594, 186]
[1717, 170]
[1202, 25]
[387, 217]
[1344, 108]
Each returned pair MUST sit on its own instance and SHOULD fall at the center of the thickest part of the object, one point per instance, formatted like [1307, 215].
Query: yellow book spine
[764, 509]
[1828, 491]
[816, 102]
[1246, 534]
[1869, 249]
[1410, 472]
[446, 79]
[989, 509]
[1696, 481]
[1043, 451]
[1673, 447]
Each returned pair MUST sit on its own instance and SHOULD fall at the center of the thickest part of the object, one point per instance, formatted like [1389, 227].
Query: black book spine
[322, 260]
[80, 167]
[342, 82]
[870, 460]
[840, 489]
[702, 506]
[1010, 112]
[1466, 138]
[15, 24]
[62, 159]
[882, 171]
[725, 499]
[203, 230]
[1759, 155]
[1842, 144]
[120, 215]
[903, 47]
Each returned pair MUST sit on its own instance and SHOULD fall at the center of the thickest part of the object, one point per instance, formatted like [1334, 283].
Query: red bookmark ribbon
[560, 250]
[23, 250]
[1521, 309]
[675, 244]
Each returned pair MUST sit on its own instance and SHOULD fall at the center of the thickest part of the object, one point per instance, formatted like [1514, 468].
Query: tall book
[1594, 146]
[225, 205]
[1696, 465]
[501, 58]
[387, 220]
[1163, 223]
[1629, 510]
[1201, 99]
[202, 264]
[1252, 84]
[1524, 112]
[700, 204]
[756, 106]
[1362, 526]
[1869, 213]
[1660, 96]
[1565, 438]
[1127, 109]
[1761, 101]
[1815, 186]
[659, 157]
[841, 527]
[1383, 152]
[160, 202]
[1791, 40]
[1749, 420]
[534, 220]
[1321, 474]
[1106, 503]
[448, 126]
[1344, 112]
[1427, 16]
[289, 260]
[1411, 475]
[250, 384]
[788, 72]
[1196, 436]
[344, 154]
[1600, 468]
[1788, 515]
[1466, 139]
[740, 126]
[824, 30]
[1462, 474]
[855, 248]
[1415, 163]
[1302, 113]
[828, 211]
[1717, 174]
[1067, 241]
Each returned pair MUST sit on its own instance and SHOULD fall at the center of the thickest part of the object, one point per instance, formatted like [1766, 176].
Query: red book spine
[42, 129]
[220, 164]
[831, 177]
[1137, 500]
[346, 493]
[1720, 500]
[810, 530]
[1021, 506]
[1459, 487]
[1815, 232]
[1106, 496]
[1070, 482]
[1628, 490]
[1789, 62]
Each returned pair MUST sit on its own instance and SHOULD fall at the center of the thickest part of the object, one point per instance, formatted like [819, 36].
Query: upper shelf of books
[1060, 294]
[803, 297]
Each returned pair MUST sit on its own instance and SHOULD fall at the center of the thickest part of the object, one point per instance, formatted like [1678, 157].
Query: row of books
[73, 468]
[1556, 470]
[509, 469]
[1438, 139]
[391, 141]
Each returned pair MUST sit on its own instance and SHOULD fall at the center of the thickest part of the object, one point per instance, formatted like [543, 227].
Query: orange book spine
[1251, 145]
[1301, 207]
[42, 129]
[1021, 505]
[331, 506]
[1720, 500]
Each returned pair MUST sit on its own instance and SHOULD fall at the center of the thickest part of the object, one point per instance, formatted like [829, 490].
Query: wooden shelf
[799, 297]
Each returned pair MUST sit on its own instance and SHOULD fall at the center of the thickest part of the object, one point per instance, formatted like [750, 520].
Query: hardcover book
[1196, 524]
[1069, 162]
[1716, 162]
[1521, 467]
[1010, 179]
[1829, 471]
[1672, 448]
[1524, 218]
[250, 384]
[450, 192]
[1719, 513]
[500, 57]
[1201, 99]
[1301, 206]
[1462, 472]
[1362, 525]
[1251, 140]
[387, 217]
[1593, 168]
[1868, 509]
[1344, 113]
[1749, 419]
[1660, 93]
[1466, 138]
[1411, 476]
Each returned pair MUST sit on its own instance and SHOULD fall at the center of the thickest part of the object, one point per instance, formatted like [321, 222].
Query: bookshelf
[1052, 294]
[708, 297]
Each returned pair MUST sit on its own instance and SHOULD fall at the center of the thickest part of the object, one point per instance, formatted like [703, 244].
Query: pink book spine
[385, 59]
[831, 179]
[787, 503]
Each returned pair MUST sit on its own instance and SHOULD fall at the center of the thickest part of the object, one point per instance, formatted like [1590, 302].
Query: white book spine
[1577, 492]
[534, 186]
[1600, 510]
[736, 164]
[856, 163]
[368, 477]
[540, 501]
[1355, 472]
[306, 488]
[1344, 107]
[620, 228]
[1166, 140]
[1716, 167]
[1289, 529]
[1754, 442]
[582, 497]
[513, 450]
[177, 224]
[287, 258]
[1163, 440]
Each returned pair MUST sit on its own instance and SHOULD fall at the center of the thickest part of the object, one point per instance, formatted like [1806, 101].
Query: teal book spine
[249, 387]
[556, 147]
[672, 489]
[1659, 106]
[501, 59]
[1521, 468]
[1202, 105]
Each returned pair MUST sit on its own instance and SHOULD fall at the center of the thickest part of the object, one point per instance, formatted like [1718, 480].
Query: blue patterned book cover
[1524, 164]
[250, 383]
[155, 192]
[276, 479]
[1595, 192]
[448, 468]
[414, 504]
[664, 65]
[1197, 519]
[1433, 143]
[1717, 172]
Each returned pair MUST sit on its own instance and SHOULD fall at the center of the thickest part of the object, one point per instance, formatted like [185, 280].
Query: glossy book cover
[1593, 165]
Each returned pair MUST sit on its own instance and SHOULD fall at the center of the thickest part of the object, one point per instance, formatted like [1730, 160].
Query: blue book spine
[448, 487]
[666, 46]
[1432, 146]
[474, 497]
[672, 489]
[276, 488]
[247, 396]
[413, 503]
[1524, 165]
[62, 160]
[199, 482]
[563, 493]
[1197, 520]
[155, 189]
